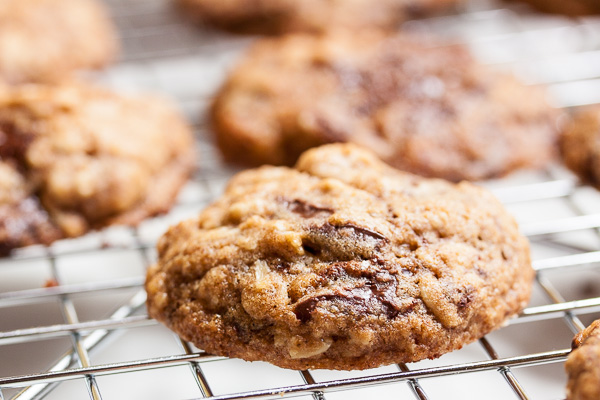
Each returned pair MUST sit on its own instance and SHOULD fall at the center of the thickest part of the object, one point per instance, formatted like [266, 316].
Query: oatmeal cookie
[583, 365]
[571, 8]
[278, 16]
[76, 157]
[342, 263]
[580, 145]
[429, 110]
[45, 40]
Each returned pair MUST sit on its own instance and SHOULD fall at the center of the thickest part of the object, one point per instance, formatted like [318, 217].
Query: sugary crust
[425, 109]
[572, 8]
[580, 145]
[583, 365]
[340, 263]
[84, 158]
[46, 40]
[278, 16]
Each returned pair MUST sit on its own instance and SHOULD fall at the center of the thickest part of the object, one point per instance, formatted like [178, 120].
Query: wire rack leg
[504, 371]
[199, 376]
[70, 315]
[309, 380]
[414, 384]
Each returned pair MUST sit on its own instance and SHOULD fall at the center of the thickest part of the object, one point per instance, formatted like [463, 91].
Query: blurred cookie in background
[580, 145]
[421, 106]
[46, 40]
[571, 8]
[76, 157]
[278, 16]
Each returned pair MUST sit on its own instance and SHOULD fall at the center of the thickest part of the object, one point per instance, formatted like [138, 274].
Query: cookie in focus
[340, 263]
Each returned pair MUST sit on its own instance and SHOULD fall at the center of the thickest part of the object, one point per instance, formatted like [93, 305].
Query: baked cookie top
[340, 263]
[45, 40]
[75, 157]
[429, 110]
[278, 16]
[580, 145]
[583, 365]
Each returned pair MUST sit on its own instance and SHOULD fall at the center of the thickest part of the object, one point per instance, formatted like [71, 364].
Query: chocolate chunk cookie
[75, 158]
[572, 8]
[342, 263]
[278, 16]
[44, 40]
[429, 110]
[583, 365]
[580, 145]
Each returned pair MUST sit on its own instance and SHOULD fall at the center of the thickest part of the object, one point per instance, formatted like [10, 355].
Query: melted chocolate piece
[307, 210]
[364, 231]
[24, 224]
[358, 230]
[14, 143]
[343, 242]
[465, 301]
[363, 299]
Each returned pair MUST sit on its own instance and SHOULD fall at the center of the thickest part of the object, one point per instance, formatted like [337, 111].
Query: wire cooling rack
[72, 316]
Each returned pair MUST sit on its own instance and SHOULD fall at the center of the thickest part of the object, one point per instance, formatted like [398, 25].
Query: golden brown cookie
[342, 263]
[278, 16]
[572, 8]
[583, 365]
[429, 110]
[76, 157]
[45, 40]
[580, 145]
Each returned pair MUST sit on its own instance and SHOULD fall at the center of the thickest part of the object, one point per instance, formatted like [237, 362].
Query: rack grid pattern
[72, 316]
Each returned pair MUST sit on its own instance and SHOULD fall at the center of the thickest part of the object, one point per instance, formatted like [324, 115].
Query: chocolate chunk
[13, 143]
[363, 299]
[364, 231]
[24, 224]
[465, 301]
[307, 210]
[343, 242]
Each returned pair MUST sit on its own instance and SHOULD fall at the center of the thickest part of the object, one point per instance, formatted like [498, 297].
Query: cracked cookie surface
[46, 40]
[75, 157]
[422, 107]
[278, 16]
[341, 263]
[583, 365]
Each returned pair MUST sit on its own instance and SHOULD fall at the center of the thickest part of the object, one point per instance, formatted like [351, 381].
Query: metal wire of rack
[72, 316]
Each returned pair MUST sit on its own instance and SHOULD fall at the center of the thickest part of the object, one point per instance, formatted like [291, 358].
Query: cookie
[430, 110]
[75, 157]
[46, 40]
[341, 263]
[583, 365]
[278, 16]
[571, 8]
[580, 145]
